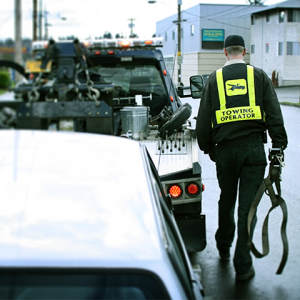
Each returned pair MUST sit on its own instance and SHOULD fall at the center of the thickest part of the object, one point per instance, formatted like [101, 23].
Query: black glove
[276, 151]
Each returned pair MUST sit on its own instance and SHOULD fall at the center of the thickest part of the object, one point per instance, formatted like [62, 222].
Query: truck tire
[178, 118]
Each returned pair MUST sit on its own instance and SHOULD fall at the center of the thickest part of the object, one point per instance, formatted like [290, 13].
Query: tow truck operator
[231, 126]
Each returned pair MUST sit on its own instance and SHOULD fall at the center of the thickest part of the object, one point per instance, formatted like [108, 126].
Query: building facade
[204, 29]
[275, 41]
[271, 34]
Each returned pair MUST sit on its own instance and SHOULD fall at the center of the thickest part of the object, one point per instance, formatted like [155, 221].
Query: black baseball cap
[234, 40]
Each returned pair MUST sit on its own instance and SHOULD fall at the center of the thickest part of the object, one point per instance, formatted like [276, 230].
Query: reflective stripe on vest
[252, 112]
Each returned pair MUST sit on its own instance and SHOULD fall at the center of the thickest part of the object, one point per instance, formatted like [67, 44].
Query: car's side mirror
[196, 84]
[183, 91]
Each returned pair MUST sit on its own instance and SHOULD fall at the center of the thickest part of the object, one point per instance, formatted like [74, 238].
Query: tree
[107, 35]
[9, 42]
[256, 2]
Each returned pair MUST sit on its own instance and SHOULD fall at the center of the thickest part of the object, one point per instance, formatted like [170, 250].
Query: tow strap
[276, 165]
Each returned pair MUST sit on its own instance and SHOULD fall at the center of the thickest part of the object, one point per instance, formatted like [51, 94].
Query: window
[252, 49]
[267, 48]
[252, 20]
[173, 35]
[166, 36]
[181, 33]
[81, 284]
[124, 76]
[268, 17]
[192, 30]
[293, 15]
[280, 48]
[281, 16]
[292, 48]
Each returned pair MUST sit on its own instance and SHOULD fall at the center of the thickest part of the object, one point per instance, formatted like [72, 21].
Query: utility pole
[46, 24]
[18, 36]
[179, 57]
[178, 22]
[34, 19]
[131, 25]
[40, 20]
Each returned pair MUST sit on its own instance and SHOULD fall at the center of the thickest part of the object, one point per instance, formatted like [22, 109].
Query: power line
[221, 12]
[219, 22]
[166, 29]
[197, 17]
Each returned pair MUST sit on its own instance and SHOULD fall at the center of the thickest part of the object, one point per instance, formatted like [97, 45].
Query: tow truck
[118, 87]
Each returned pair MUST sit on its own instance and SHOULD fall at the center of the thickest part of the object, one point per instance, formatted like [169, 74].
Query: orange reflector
[110, 52]
[165, 72]
[172, 99]
[149, 42]
[193, 189]
[97, 52]
[175, 191]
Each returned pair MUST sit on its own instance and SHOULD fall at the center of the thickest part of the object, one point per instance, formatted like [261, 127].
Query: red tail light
[192, 189]
[97, 52]
[110, 52]
[175, 191]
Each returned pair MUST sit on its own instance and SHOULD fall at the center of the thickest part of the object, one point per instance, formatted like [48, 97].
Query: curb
[290, 104]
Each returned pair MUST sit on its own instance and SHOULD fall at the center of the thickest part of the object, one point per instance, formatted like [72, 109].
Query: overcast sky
[91, 18]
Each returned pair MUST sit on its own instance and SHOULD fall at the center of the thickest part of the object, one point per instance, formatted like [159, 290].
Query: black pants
[239, 169]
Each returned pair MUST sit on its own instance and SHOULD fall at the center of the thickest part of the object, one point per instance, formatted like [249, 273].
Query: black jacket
[236, 133]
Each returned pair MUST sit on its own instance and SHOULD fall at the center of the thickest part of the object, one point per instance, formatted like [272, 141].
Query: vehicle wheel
[177, 120]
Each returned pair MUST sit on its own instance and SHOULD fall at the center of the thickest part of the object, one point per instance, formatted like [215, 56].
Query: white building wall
[291, 75]
[202, 63]
[273, 32]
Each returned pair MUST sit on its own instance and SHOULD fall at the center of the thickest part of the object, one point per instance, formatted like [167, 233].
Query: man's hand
[276, 153]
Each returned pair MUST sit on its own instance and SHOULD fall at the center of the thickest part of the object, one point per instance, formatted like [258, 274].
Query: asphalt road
[218, 278]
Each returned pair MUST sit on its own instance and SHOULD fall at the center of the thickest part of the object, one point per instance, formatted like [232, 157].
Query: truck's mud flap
[193, 231]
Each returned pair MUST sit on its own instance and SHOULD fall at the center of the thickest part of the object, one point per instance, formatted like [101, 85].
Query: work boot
[245, 276]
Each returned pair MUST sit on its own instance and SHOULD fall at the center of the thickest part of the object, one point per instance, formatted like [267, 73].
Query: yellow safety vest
[237, 87]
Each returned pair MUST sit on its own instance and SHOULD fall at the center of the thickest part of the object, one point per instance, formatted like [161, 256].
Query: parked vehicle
[122, 88]
[85, 216]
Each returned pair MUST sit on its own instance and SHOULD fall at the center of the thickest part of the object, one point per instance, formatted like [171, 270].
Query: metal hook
[33, 95]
